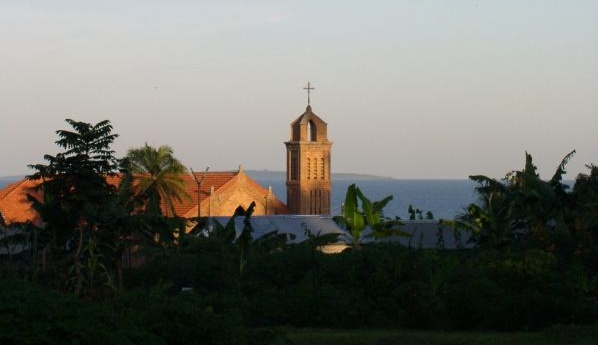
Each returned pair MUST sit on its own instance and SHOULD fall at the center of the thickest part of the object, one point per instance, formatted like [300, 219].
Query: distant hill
[256, 175]
[6, 180]
[11, 178]
[280, 175]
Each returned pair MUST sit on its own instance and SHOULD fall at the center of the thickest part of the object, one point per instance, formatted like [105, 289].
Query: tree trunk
[77, 264]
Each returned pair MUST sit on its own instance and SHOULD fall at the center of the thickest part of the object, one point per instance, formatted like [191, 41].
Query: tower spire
[308, 88]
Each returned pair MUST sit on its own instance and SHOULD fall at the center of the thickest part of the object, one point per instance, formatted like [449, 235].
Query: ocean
[444, 198]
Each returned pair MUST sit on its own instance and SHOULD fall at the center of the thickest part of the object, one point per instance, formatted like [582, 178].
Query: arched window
[294, 165]
[296, 133]
[312, 133]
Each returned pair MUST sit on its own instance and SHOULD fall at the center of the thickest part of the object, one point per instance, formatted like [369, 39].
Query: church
[219, 194]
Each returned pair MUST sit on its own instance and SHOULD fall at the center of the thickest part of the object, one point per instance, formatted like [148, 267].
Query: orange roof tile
[16, 208]
[208, 180]
[236, 178]
[214, 179]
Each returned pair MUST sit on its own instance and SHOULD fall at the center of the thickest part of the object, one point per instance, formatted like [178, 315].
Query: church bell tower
[308, 164]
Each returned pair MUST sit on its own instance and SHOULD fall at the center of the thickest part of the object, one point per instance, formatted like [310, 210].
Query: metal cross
[308, 88]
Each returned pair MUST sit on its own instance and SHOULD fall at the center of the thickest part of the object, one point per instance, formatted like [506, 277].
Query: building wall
[239, 192]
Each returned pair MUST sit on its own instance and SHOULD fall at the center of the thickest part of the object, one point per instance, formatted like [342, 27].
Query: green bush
[381, 285]
[30, 314]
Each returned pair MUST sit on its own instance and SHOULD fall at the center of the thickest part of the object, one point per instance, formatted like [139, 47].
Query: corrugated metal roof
[423, 234]
[295, 225]
[431, 234]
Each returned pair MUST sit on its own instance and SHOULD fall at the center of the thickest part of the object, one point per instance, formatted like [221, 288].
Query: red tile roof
[238, 178]
[15, 207]
[208, 180]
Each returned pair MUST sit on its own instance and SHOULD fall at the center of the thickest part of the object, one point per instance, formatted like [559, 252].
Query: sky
[409, 89]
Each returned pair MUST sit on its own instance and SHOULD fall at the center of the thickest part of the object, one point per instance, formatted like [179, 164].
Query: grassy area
[557, 335]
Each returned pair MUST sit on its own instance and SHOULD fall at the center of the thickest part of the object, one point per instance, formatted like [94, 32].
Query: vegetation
[524, 213]
[31, 314]
[416, 213]
[158, 184]
[367, 222]
[533, 267]
[160, 177]
[555, 335]
[77, 207]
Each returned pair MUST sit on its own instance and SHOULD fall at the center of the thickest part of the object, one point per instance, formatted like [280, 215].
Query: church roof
[224, 185]
[14, 205]
[208, 180]
[307, 116]
[16, 208]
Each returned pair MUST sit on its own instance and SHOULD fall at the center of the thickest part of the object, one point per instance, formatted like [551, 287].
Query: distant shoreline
[11, 178]
[264, 175]
[281, 175]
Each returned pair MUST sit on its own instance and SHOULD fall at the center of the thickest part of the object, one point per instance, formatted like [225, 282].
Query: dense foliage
[158, 184]
[384, 285]
[79, 209]
[533, 266]
[534, 263]
[31, 314]
[159, 178]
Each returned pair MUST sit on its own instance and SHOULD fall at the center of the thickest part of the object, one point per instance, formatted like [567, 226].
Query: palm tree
[159, 179]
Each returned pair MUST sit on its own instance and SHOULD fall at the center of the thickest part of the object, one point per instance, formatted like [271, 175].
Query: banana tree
[367, 222]
[246, 243]
[522, 210]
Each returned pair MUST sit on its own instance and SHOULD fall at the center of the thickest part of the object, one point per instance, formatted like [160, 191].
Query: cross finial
[308, 88]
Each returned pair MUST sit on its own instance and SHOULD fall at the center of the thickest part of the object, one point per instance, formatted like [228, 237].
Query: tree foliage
[367, 222]
[534, 264]
[157, 185]
[76, 199]
[524, 211]
[159, 177]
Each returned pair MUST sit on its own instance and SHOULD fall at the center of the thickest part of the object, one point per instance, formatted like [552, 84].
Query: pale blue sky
[410, 89]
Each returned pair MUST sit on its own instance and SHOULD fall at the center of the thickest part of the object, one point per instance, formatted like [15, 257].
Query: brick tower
[308, 165]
